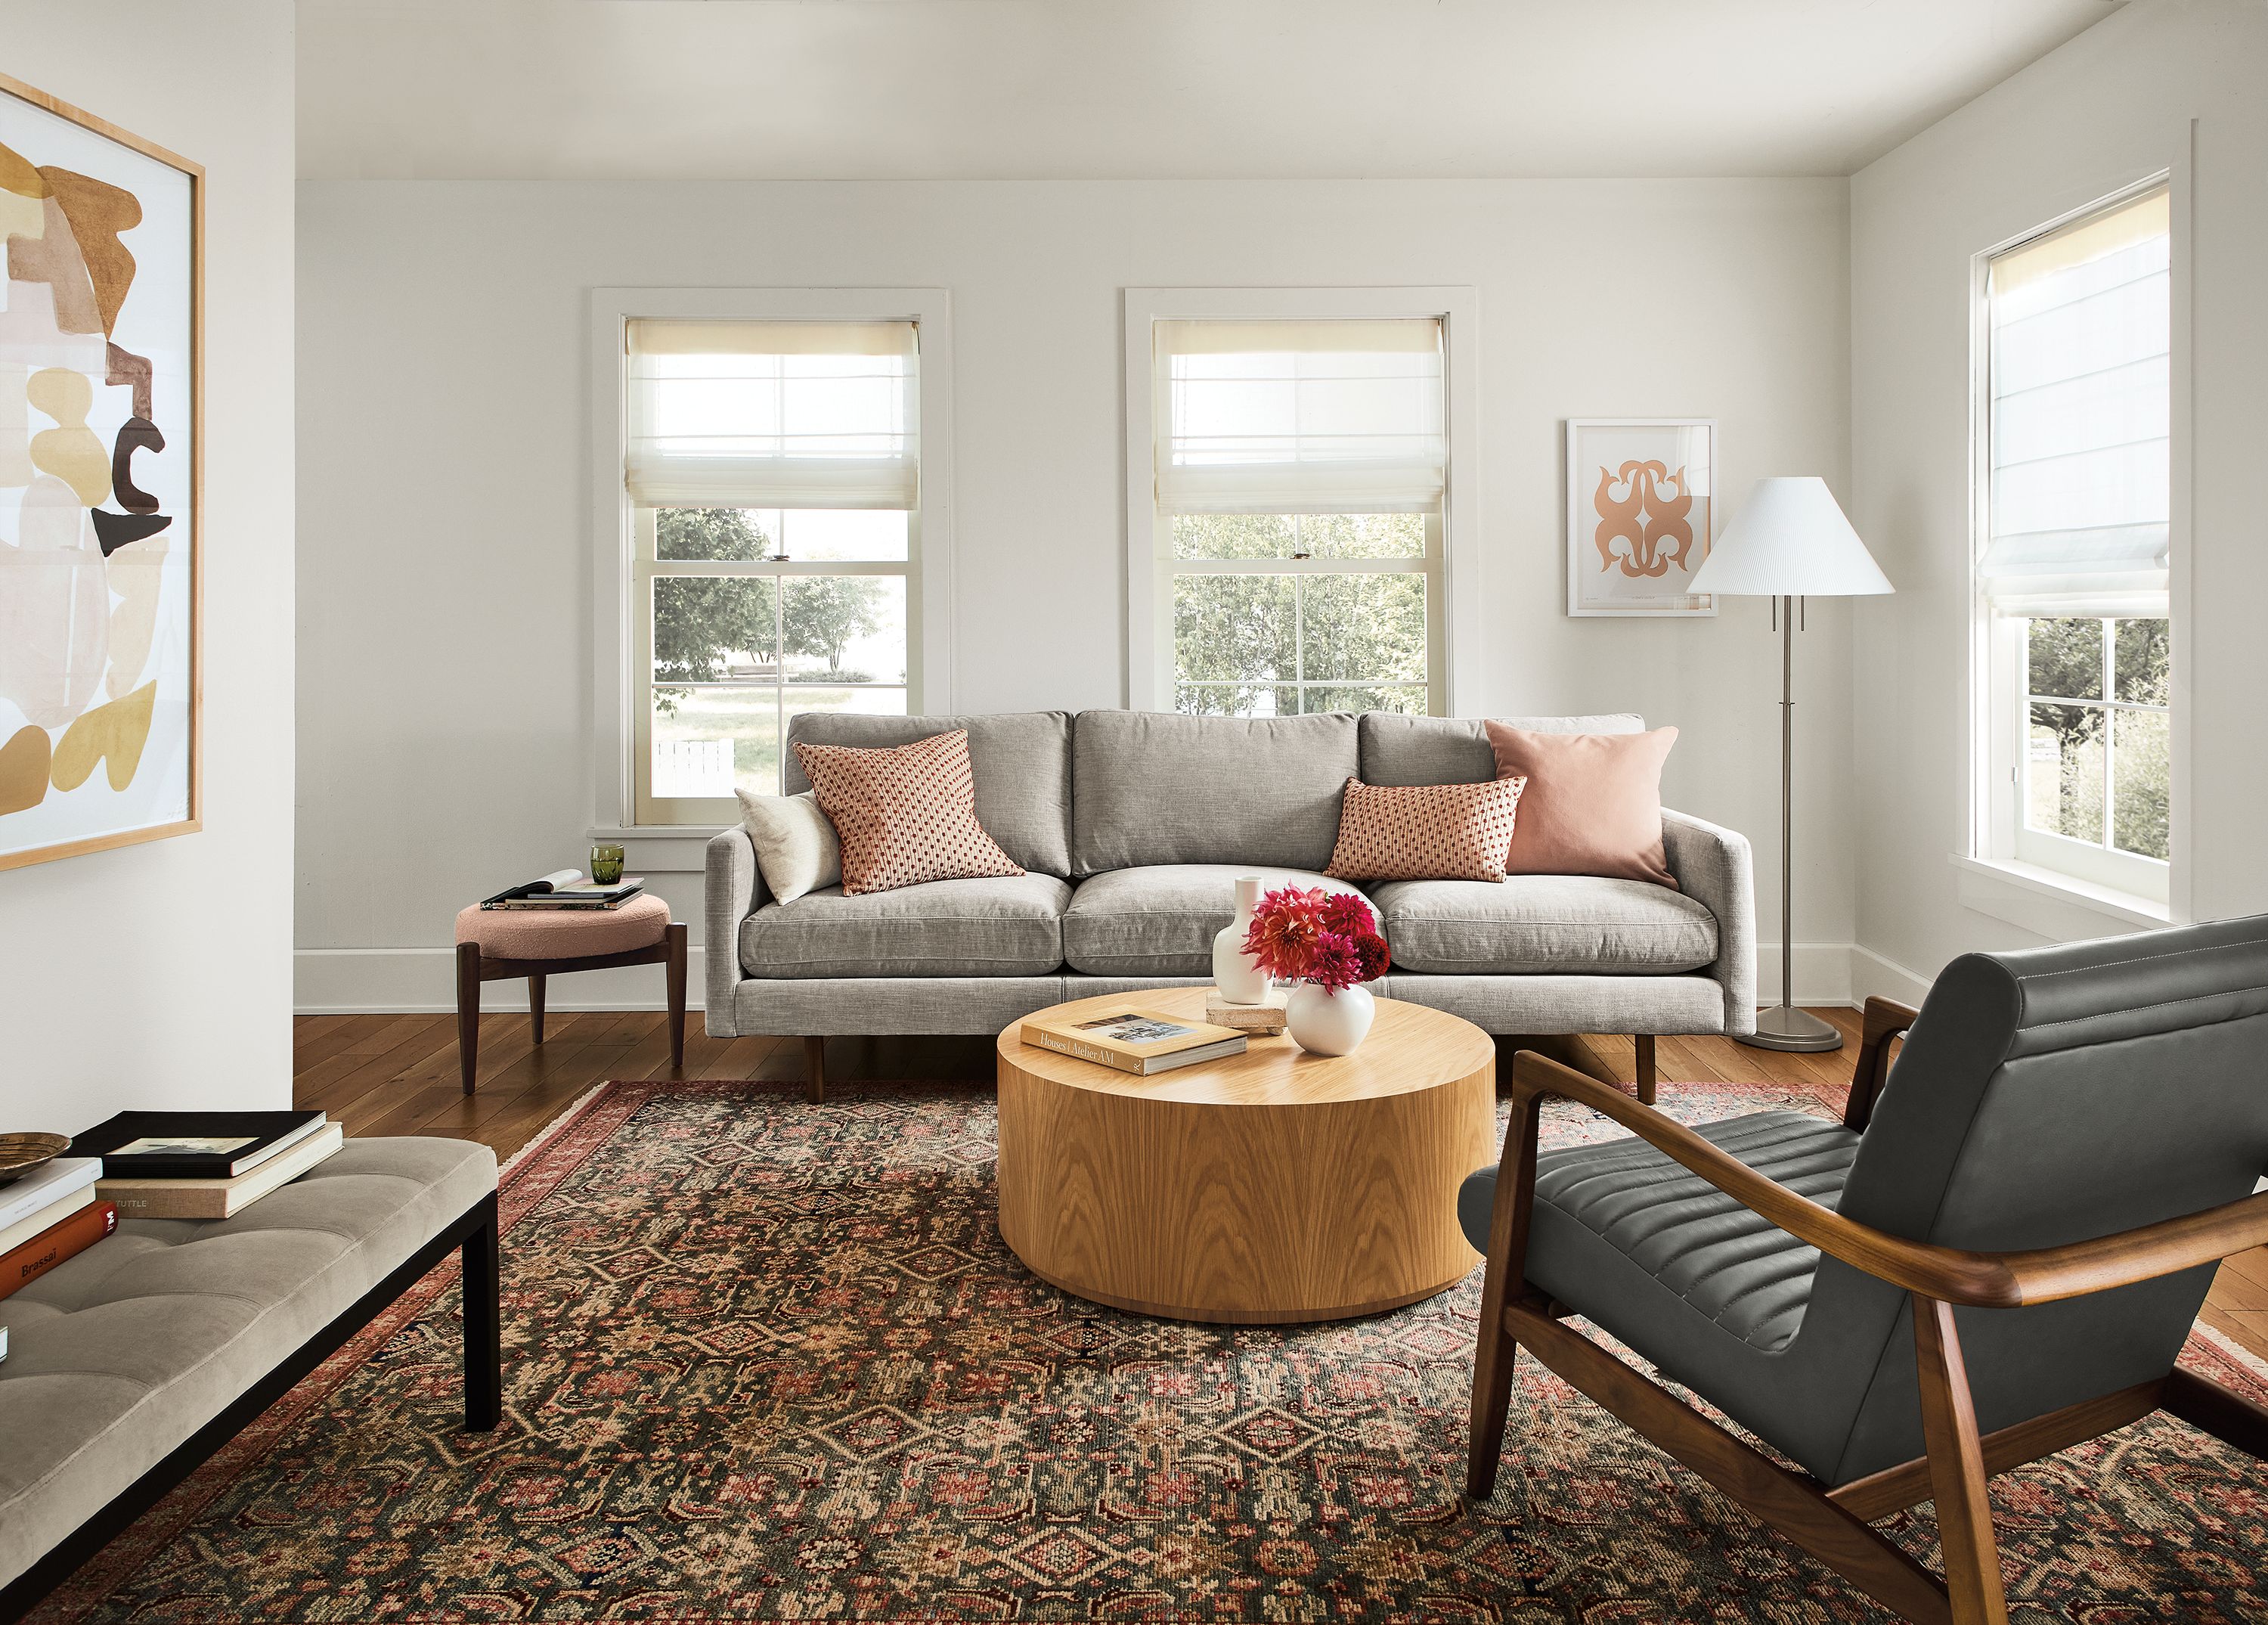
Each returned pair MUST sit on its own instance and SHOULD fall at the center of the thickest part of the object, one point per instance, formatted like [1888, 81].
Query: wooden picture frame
[1641, 514]
[102, 454]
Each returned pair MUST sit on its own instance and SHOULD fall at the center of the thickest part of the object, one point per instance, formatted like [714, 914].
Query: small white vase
[1324, 1023]
[1235, 972]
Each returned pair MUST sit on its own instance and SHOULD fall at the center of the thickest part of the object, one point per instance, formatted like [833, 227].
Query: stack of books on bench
[48, 1214]
[566, 889]
[202, 1165]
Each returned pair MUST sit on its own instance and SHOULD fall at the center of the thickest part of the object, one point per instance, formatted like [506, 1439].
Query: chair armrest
[733, 889]
[1714, 867]
[1951, 1274]
[1883, 1019]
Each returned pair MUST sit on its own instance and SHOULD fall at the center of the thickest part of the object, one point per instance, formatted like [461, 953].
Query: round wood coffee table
[1273, 1185]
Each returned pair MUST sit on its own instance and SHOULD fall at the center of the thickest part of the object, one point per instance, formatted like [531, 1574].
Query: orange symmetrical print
[1644, 528]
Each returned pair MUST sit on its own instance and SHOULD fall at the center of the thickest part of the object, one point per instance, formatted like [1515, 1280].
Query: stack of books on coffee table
[202, 1165]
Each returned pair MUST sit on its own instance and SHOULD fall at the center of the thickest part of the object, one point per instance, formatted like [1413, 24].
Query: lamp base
[1784, 1027]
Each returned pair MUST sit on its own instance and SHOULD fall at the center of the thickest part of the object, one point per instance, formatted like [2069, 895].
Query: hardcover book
[567, 889]
[1142, 1041]
[44, 1186]
[219, 1199]
[193, 1145]
[21, 1266]
[1266, 1017]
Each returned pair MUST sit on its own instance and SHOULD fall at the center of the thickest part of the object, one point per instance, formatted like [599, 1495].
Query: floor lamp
[1791, 542]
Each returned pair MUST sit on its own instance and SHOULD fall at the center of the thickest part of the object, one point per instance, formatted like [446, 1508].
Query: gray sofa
[1131, 825]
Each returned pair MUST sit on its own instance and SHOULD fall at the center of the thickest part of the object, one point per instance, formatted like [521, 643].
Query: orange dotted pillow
[904, 815]
[1424, 832]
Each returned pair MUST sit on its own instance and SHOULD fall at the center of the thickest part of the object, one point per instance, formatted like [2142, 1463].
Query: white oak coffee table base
[1274, 1186]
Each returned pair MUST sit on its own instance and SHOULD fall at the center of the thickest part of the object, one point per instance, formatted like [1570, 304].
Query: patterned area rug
[766, 1361]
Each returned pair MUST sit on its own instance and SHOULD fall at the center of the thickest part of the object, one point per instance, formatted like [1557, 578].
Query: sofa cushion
[1152, 788]
[1008, 925]
[1405, 749]
[1161, 920]
[1569, 924]
[1020, 761]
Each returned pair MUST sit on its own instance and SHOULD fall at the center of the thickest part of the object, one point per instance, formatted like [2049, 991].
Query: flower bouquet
[1328, 943]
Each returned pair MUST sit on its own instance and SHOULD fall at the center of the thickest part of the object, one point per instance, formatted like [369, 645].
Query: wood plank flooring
[397, 1074]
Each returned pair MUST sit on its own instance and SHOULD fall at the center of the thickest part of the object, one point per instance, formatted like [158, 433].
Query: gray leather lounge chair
[2067, 1143]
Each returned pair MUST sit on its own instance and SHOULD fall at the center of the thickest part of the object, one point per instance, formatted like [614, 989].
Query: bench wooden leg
[468, 1012]
[1645, 1069]
[536, 1004]
[483, 1326]
[676, 966]
[814, 1068]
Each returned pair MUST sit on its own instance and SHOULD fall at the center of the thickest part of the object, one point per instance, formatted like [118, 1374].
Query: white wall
[444, 595]
[2112, 105]
[159, 975]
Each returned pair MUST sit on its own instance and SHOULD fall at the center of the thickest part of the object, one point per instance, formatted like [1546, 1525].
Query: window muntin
[775, 481]
[1299, 470]
[2076, 551]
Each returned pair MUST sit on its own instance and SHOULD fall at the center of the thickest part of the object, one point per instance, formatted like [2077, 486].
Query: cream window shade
[1298, 416]
[2081, 410]
[774, 415]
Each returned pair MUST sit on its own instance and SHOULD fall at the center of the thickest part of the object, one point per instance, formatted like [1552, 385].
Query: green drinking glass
[606, 864]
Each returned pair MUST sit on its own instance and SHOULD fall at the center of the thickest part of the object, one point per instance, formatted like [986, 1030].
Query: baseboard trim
[362, 981]
[416, 981]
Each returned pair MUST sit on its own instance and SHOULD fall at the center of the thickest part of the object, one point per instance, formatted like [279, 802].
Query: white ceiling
[899, 89]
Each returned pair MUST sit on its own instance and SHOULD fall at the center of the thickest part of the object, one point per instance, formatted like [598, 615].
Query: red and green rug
[768, 1361]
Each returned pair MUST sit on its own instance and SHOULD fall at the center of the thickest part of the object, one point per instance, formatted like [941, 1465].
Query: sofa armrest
[732, 889]
[1713, 867]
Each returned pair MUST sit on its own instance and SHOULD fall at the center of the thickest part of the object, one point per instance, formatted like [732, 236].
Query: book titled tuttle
[218, 1198]
[51, 1246]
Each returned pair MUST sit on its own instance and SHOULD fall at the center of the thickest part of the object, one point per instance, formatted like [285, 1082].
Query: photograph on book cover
[100, 494]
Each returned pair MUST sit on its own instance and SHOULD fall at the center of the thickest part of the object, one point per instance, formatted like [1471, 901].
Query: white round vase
[1324, 1023]
[1235, 972]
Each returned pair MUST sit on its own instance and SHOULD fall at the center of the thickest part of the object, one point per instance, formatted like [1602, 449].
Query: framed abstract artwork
[1639, 512]
[100, 513]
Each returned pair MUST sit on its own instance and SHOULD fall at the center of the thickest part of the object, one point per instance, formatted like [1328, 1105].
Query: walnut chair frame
[1834, 1523]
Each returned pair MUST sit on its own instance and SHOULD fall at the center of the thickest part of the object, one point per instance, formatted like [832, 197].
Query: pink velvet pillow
[905, 815]
[1424, 832]
[1593, 805]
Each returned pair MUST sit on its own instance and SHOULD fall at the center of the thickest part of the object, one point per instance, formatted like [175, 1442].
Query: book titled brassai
[1134, 1040]
[202, 1165]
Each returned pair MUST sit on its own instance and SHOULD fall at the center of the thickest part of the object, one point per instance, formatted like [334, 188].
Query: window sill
[661, 848]
[2052, 905]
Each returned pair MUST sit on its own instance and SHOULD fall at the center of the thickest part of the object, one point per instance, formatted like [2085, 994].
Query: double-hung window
[773, 474]
[2077, 535]
[1295, 537]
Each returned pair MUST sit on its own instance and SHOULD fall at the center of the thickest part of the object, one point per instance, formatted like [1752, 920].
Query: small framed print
[1640, 511]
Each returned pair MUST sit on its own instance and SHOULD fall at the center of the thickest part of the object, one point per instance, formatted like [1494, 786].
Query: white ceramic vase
[1235, 972]
[1324, 1023]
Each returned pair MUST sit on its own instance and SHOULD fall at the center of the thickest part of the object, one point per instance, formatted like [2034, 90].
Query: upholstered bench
[132, 1363]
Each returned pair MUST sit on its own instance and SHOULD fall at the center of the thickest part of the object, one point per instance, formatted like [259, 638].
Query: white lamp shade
[1790, 537]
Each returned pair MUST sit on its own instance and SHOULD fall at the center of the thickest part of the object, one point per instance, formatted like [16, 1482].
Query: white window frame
[617, 637]
[1453, 636]
[2119, 887]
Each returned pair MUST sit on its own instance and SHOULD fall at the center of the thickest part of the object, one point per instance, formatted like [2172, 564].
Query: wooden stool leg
[814, 1068]
[1645, 1069]
[468, 1012]
[676, 966]
[536, 1004]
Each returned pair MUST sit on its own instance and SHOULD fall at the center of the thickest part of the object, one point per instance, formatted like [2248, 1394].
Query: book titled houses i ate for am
[1134, 1040]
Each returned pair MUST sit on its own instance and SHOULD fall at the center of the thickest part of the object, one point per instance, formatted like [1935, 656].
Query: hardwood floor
[397, 1074]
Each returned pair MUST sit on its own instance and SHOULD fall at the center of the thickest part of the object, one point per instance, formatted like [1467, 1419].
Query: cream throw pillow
[796, 848]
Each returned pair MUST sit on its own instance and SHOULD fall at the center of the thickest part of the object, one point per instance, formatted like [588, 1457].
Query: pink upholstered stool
[494, 945]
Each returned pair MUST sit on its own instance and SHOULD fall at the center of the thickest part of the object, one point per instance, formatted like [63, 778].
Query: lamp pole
[1785, 1027]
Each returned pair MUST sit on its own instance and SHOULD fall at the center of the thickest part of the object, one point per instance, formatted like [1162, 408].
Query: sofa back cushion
[1405, 749]
[1152, 787]
[1020, 760]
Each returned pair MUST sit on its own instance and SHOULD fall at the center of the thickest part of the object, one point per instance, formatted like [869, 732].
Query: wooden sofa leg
[814, 1068]
[1645, 1068]
[675, 964]
[1956, 1470]
[468, 1012]
[483, 1326]
[536, 1004]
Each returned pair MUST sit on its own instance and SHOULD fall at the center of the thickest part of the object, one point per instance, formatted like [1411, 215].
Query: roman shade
[2080, 506]
[774, 414]
[1298, 416]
